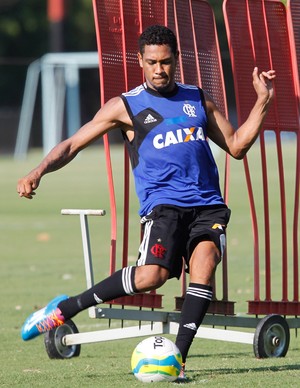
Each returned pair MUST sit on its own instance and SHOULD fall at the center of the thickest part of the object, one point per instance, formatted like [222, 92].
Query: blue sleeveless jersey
[171, 159]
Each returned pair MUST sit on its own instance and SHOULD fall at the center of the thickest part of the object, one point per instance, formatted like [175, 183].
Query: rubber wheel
[54, 345]
[272, 337]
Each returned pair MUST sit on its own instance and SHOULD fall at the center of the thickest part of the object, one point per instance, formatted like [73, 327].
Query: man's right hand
[27, 185]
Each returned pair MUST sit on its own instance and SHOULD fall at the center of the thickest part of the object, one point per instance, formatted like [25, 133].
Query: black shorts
[170, 234]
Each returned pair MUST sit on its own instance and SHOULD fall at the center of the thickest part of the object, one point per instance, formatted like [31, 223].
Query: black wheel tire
[272, 337]
[54, 345]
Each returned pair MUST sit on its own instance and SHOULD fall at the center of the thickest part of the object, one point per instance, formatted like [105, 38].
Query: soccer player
[166, 126]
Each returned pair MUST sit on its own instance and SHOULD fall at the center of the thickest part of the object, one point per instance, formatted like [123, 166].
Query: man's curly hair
[157, 35]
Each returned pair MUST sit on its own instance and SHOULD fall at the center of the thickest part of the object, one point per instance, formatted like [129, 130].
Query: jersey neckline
[161, 94]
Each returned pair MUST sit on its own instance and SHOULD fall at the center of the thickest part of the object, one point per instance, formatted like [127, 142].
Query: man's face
[159, 65]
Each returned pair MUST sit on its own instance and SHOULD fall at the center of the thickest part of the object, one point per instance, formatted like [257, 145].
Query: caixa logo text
[178, 136]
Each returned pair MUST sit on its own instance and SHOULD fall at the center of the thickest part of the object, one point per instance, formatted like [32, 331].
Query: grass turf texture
[41, 256]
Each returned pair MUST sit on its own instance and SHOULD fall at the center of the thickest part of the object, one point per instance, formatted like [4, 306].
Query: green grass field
[41, 256]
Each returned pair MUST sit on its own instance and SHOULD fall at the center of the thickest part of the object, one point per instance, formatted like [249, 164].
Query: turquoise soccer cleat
[43, 320]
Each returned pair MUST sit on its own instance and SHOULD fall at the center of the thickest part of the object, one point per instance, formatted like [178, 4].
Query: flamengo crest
[189, 110]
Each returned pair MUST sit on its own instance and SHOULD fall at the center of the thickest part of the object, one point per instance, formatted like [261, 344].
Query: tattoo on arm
[61, 158]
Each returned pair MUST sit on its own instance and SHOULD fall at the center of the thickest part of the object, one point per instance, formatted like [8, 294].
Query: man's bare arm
[238, 142]
[112, 115]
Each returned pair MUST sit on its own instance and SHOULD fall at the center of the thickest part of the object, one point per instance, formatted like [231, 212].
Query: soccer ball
[156, 359]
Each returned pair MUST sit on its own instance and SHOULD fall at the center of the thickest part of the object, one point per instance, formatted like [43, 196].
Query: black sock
[194, 308]
[119, 284]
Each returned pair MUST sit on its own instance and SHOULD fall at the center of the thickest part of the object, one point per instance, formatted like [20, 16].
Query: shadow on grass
[220, 355]
[208, 373]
